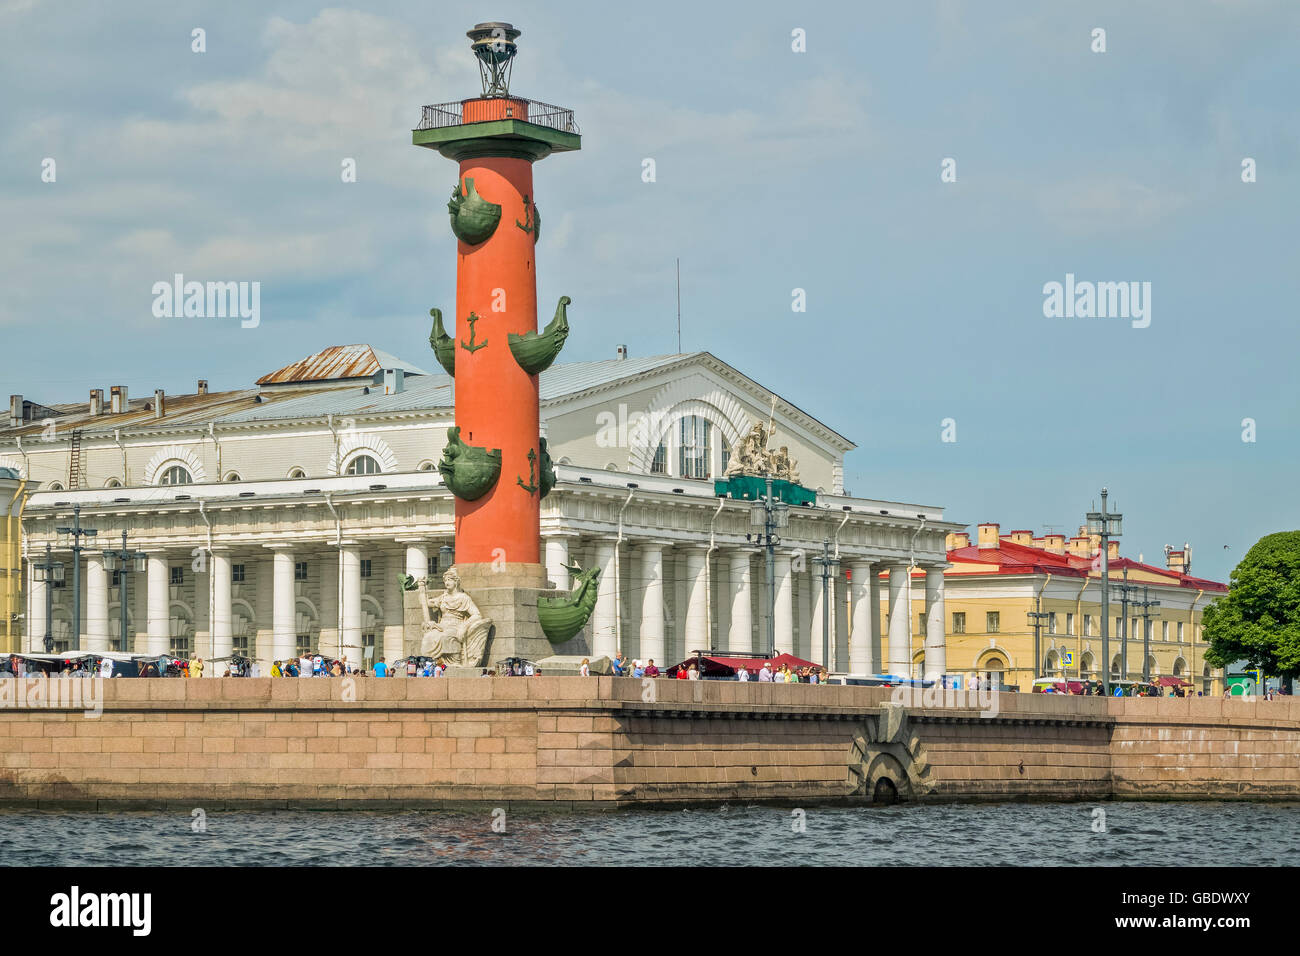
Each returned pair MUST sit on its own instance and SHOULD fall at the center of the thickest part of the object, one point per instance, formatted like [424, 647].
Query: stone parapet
[429, 742]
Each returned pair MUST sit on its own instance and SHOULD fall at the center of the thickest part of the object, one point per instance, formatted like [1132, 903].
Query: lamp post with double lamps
[767, 517]
[1107, 525]
[124, 562]
[49, 573]
[70, 539]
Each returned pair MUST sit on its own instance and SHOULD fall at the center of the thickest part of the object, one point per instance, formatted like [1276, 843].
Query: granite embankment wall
[572, 740]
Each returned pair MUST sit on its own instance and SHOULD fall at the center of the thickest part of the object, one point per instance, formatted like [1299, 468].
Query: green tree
[1259, 619]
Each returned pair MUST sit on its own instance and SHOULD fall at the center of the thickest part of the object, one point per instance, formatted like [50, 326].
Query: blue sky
[776, 170]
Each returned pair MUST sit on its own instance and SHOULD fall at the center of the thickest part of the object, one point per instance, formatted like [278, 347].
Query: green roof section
[509, 137]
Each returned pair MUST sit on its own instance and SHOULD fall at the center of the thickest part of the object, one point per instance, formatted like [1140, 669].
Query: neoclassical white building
[277, 518]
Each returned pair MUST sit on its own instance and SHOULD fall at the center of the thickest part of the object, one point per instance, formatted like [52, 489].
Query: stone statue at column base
[454, 631]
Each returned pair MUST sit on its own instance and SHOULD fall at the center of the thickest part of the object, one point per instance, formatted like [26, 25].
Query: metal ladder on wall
[74, 461]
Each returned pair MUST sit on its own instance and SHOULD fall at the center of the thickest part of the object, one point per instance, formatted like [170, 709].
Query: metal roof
[338, 362]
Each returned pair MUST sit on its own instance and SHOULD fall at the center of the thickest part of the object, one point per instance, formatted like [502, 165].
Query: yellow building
[994, 583]
[12, 498]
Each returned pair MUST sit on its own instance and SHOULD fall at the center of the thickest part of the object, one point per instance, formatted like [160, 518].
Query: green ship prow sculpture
[469, 471]
[443, 345]
[535, 352]
[473, 218]
[563, 617]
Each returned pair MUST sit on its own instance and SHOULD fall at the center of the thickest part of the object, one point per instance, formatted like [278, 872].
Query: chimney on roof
[394, 381]
[117, 399]
[1079, 546]
[96, 401]
[1112, 550]
[622, 352]
[1022, 537]
[1175, 561]
[15, 410]
[1054, 543]
[988, 534]
[203, 386]
[159, 403]
[955, 540]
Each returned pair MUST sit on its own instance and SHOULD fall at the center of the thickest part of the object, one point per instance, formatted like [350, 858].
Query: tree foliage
[1259, 619]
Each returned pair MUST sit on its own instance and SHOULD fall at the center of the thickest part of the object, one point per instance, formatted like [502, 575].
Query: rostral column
[495, 462]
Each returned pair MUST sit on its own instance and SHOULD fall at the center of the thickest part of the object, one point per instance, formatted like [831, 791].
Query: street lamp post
[770, 515]
[1107, 525]
[1125, 590]
[124, 562]
[828, 565]
[71, 538]
[1146, 604]
[48, 573]
[1037, 617]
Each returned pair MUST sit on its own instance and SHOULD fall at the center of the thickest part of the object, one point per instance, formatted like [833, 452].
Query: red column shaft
[496, 400]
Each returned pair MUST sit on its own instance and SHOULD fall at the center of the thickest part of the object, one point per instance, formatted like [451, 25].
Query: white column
[329, 600]
[604, 633]
[417, 559]
[35, 629]
[740, 581]
[784, 626]
[283, 604]
[862, 659]
[96, 603]
[696, 631]
[651, 558]
[840, 620]
[222, 639]
[803, 631]
[936, 643]
[557, 559]
[350, 571]
[817, 634]
[900, 655]
[159, 618]
[394, 609]
[878, 655]
[202, 643]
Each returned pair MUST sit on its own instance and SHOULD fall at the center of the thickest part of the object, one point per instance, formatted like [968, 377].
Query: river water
[1150, 834]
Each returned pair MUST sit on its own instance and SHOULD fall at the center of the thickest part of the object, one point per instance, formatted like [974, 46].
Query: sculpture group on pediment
[753, 457]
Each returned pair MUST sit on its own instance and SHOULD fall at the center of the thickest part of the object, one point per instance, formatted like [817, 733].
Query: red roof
[727, 666]
[1011, 558]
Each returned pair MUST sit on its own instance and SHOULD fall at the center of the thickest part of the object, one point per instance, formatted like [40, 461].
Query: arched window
[993, 668]
[175, 475]
[1114, 666]
[233, 476]
[426, 466]
[297, 473]
[1052, 664]
[55, 486]
[726, 454]
[113, 483]
[363, 465]
[695, 434]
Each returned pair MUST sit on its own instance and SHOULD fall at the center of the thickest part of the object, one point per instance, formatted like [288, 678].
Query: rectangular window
[237, 574]
[300, 571]
[992, 619]
[1051, 622]
[178, 575]
[920, 625]
[1180, 632]
[959, 622]
[1087, 625]
[303, 646]
[1164, 630]
[1069, 624]
[116, 580]
[180, 646]
[365, 567]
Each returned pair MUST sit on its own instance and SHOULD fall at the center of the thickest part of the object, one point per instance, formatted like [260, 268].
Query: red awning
[727, 666]
[1172, 682]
